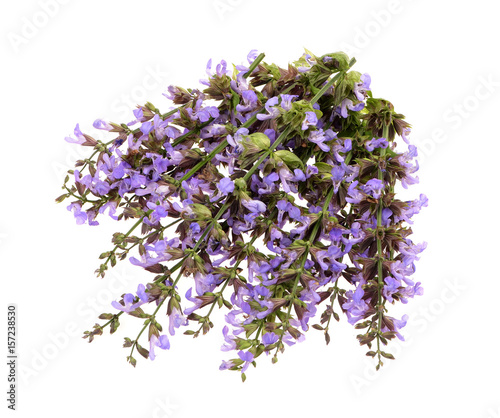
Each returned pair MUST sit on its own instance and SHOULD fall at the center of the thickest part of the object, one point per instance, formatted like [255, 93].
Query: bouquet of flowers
[270, 193]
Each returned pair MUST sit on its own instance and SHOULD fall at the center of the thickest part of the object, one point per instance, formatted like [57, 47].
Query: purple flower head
[286, 101]
[247, 357]
[353, 194]
[230, 343]
[80, 216]
[101, 124]
[355, 305]
[141, 292]
[310, 120]
[374, 187]
[225, 186]
[272, 110]
[254, 206]
[348, 104]
[254, 53]
[318, 137]
[391, 286]
[176, 320]
[299, 175]
[405, 134]
[360, 89]
[226, 365]
[146, 127]
[249, 101]
[376, 143]
[128, 303]
[80, 139]
[270, 338]
[161, 342]
[398, 324]
[238, 137]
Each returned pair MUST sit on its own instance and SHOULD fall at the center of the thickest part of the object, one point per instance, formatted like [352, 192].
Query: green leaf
[144, 353]
[114, 325]
[387, 355]
[290, 159]
[132, 360]
[261, 140]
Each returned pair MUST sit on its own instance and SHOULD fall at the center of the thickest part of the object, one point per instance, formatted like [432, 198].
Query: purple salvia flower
[225, 186]
[272, 111]
[128, 303]
[286, 101]
[376, 143]
[270, 338]
[80, 139]
[101, 124]
[374, 188]
[161, 342]
[176, 320]
[310, 120]
[247, 357]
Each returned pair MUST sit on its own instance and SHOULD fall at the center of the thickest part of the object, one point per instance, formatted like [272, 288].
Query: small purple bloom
[310, 120]
[80, 139]
[226, 186]
[376, 143]
[141, 292]
[286, 101]
[247, 358]
[374, 187]
[270, 338]
[100, 124]
[128, 304]
[226, 365]
[176, 320]
[146, 128]
[254, 206]
[161, 342]
[272, 111]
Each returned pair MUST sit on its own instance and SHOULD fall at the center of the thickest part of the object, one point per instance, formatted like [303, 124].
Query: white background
[71, 63]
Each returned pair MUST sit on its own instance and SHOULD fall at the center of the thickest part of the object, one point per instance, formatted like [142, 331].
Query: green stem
[111, 320]
[83, 199]
[223, 144]
[176, 267]
[234, 268]
[146, 325]
[320, 93]
[216, 151]
[93, 154]
[139, 222]
[254, 64]
[380, 253]
[302, 264]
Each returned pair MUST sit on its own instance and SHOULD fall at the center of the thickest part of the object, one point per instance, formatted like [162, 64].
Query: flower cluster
[268, 192]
